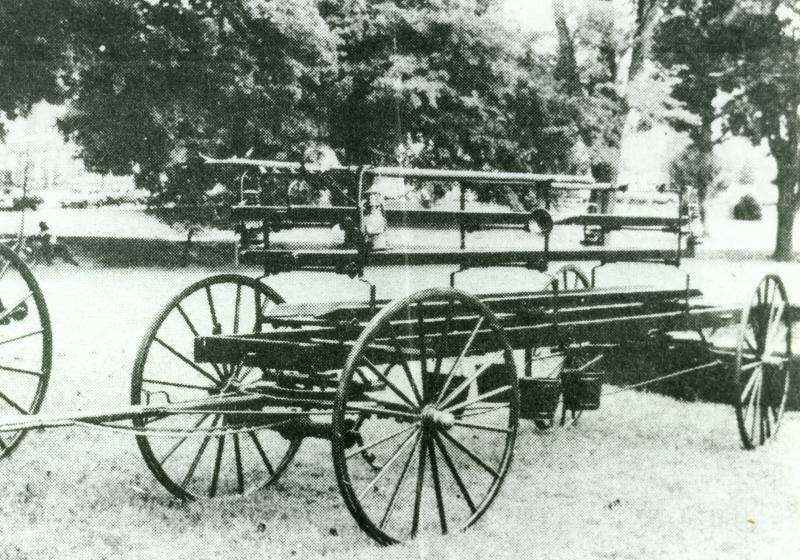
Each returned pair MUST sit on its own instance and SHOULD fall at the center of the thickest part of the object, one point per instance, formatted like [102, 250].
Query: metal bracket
[372, 294]
[461, 268]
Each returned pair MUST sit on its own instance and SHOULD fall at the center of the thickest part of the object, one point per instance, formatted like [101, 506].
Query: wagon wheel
[569, 277]
[763, 366]
[26, 344]
[442, 438]
[164, 372]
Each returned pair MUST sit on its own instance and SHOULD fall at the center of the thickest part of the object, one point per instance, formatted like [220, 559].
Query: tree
[693, 40]
[763, 82]
[152, 83]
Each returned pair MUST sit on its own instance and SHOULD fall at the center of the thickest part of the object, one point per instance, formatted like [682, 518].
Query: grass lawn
[644, 477]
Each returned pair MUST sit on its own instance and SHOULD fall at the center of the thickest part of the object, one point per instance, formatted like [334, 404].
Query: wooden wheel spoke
[385, 468]
[259, 311]
[394, 388]
[390, 506]
[443, 337]
[212, 490]
[461, 356]
[749, 387]
[751, 344]
[14, 307]
[187, 479]
[11, 402]
[437, 488]
[237, 454]
[423, 357]
[488, 410]
[466, 383]
[754, 404]
[195, 333]
[261, 453]
[34, 373]
[461, 447]
[20, 337]
[752, 365]
[370, 445]
[5, 268]
[420, 486]
[212, 309]
[188, 362]
[454, 473]
[479, 399]
[186, 319]
[483, 427]
[181, 441]
[406, 369]
[236, 308]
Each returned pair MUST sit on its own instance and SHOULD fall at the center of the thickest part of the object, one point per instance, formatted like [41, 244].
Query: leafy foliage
[153, 83]
[698, 169]
[750, 51]
[746, 209]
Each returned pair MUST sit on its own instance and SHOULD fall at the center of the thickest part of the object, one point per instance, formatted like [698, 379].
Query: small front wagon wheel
[441, 426]
[569, 277]
[26, 344]
[245, 457]
[763, 363]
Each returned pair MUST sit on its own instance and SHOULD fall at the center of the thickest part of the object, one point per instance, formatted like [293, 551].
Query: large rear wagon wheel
[763, 363]
[26, 344]
[206, 466]
[441, 437]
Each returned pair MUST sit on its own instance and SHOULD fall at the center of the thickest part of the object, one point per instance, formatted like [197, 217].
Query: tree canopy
[750, 53]
[152, 83]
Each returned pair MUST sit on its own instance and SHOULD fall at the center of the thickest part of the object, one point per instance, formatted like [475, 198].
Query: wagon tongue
[104, 417]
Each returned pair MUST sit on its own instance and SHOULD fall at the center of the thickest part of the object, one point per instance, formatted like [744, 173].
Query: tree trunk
[787, 210]
[566, 64]
[648, 13]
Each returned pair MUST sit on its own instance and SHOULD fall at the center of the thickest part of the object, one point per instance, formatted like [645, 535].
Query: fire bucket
[538, 398]
[582, 389]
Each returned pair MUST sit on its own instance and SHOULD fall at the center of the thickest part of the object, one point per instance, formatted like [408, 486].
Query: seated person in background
[49, 246]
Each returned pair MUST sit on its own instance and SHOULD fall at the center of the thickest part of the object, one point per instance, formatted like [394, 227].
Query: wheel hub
[440, 419]
[772, 360]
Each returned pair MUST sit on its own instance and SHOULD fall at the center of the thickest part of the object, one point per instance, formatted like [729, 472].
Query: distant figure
[50, 248]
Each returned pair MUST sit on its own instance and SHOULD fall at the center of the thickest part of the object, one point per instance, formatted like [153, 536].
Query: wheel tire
[762, 374]
[26, 364]
[258, 453]
[426, 415]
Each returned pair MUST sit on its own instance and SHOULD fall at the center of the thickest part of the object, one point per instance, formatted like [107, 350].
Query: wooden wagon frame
[422, 396]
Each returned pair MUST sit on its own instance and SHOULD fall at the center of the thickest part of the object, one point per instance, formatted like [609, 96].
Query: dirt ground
[644, 477]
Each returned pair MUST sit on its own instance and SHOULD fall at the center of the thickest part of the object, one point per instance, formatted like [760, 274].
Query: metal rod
[709, 365]
[17, 423]
[561, 181]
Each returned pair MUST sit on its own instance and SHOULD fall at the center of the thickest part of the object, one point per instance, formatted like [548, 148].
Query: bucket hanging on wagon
[539, 398]
[582, 389]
